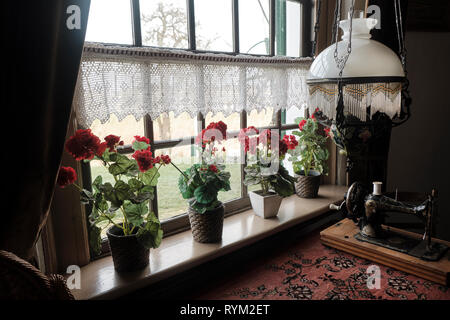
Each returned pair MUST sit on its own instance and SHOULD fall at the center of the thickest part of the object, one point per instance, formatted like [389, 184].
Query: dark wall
[419, 158]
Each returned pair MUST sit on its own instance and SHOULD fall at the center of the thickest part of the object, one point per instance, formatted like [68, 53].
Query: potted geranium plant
[264, 152]
[201, 183]
[127, 198]
[309, 157]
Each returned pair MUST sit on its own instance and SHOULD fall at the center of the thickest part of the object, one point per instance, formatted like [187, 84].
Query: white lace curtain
[140, 81]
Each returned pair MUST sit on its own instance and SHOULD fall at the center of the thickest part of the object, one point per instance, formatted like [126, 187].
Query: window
[164, 23]
[110, 22]
[239, 26]
[229, 26]
[213, 25]
[174, 135]
[254, 33]
[293, 27]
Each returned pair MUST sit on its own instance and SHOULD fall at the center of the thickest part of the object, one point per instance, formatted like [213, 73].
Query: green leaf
[122, 190]
[186, 191]
[95, 240]
[282, 171]
[97, 182]
[110, 195]
[226, 186]
[121, 166]
[100, 203]
[135, 212]
[150, 236]
[140, 145]
[283, 187]
[106, 187]
[135, 184]
[250, 181]
[86, 196]
[113, 209]
[205, 194]
[150, 177]
[105, 217]
[141, 197]
[133, 170]
[113, 156]
[150, 189]
[224, 175]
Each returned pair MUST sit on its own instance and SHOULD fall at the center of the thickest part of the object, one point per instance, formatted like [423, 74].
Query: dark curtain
[39, 72]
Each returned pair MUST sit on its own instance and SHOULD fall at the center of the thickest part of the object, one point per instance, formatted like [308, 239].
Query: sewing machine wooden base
[342, 236]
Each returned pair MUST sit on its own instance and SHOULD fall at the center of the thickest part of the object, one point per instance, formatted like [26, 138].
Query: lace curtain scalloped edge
[148, 81]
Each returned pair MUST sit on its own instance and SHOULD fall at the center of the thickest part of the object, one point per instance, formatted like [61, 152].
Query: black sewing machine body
[369, 210]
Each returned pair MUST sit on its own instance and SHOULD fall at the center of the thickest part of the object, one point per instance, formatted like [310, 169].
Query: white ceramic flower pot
[265, 206]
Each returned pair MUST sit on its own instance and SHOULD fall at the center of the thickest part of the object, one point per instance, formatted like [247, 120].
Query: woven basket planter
[307, 186]
[207, 227]
[127, 253]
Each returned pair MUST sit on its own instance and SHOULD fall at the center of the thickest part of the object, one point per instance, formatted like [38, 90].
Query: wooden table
[341, 236]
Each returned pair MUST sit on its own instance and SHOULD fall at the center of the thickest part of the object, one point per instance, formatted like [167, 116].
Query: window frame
[306, 30]
[181, 222]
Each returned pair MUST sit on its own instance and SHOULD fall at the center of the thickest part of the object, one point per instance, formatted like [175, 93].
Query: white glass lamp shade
[368, 58]
[371, 77]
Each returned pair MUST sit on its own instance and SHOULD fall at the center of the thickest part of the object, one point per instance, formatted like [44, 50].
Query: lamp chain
[406, 98]
[341, 61]
[316, 27]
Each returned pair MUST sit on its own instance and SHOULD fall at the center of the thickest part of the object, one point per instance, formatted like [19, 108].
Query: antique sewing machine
[368, 211]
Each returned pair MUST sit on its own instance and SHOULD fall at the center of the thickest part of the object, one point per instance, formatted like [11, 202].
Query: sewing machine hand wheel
[353, 205]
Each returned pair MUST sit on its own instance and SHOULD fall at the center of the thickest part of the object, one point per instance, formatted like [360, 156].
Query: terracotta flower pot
[207, 227]
[307, 186]
[265, 206]
[127, 252]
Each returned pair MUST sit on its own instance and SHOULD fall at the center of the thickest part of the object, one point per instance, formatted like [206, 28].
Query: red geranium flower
[290, 141]
[327, 131]
[283, 147]
[112, 141]
[66, 176]
[144, 159]
[163, 159]
[83, 145]
[142, 139]
[313, 116]
[301, 124]
[208, 135]
[213, 168]
[221, 126]
[101, 148]
[166, 159]
[249, 143]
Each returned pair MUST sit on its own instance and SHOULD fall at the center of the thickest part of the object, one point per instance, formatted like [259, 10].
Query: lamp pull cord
[405, 112]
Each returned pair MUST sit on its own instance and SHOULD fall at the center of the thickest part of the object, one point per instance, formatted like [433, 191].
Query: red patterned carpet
[310, 271]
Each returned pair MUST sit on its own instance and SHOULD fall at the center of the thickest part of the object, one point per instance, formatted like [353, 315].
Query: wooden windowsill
[180, 252]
